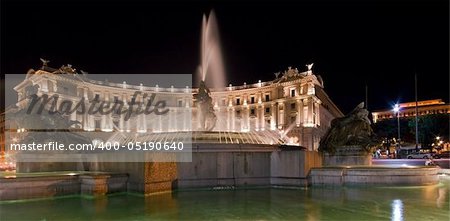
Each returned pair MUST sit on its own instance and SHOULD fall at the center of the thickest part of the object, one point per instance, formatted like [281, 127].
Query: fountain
[211, 61]
[206, 117]
[228, 151]
[347, 159]
[225, 157]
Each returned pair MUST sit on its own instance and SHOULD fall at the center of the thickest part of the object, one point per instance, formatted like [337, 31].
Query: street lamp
[397, 111]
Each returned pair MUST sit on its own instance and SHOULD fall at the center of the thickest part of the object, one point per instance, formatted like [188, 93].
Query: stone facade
[294, 102]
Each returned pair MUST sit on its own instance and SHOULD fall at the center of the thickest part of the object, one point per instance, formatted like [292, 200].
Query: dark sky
[381, 43]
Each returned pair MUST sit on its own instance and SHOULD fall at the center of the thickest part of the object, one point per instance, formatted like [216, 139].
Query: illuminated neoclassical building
[426, 107]
[294, 105]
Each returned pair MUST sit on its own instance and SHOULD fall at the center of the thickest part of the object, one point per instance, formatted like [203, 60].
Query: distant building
[427, 107]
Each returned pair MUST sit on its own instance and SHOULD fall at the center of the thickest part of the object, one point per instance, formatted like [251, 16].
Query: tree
[430, 126]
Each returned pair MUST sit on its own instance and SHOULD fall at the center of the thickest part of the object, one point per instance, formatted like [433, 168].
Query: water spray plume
[211, 68]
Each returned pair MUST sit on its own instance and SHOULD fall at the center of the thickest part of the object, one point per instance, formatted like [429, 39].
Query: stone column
[310, 111]
[160, 123]
[262, 120]
[121, 123]
[125, 124]
[305, 112]
[299, 112]
[185, 115]
[317, 111]
[86, 116]
[258, 115]
[273, 116]
[233, 119]
[228, 118]
[281, 115]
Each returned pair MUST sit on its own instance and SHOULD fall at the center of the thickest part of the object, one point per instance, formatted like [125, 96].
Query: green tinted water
[350, 203]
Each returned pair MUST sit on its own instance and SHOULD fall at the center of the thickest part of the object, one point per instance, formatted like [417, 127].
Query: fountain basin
[374, 175]
[52, 184]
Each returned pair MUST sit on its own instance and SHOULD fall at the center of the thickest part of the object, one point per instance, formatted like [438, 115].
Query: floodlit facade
[426, 107]
[293, 105]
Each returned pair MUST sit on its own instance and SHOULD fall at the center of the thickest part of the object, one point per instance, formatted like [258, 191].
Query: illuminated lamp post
[397, 111]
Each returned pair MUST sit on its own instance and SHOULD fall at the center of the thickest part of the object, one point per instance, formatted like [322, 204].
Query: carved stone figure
[351, 130]
[67, 69]
[44, 62]
[206, 117]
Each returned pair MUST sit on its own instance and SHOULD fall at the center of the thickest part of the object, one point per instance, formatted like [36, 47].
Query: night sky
[380, 43]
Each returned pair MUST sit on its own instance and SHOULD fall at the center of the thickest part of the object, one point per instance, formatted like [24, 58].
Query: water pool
[317, 203]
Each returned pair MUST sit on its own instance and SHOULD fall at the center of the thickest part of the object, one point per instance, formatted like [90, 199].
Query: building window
[180, 103]
[293, 119]
[238, 101]
[97, 124]
[224, 102]
[267, 109]
[238, 113]
[252, 100]
[97, 97]
[267, 97]
[293, 106]
[252, 111]
[293, 92]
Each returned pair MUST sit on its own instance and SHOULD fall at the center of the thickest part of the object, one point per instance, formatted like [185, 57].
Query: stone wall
[341, 176]
[221, 165]
[213, 165]
[47, 185]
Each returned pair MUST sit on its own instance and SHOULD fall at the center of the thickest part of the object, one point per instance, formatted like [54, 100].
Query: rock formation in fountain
[206, 116]
[351, 130]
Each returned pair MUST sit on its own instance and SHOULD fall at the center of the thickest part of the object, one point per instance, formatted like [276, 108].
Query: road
[443, 163]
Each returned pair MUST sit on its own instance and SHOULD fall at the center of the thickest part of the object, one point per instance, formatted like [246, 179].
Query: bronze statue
[351, 130]
[207, 118]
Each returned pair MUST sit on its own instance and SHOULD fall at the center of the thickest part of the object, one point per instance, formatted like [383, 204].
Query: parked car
[420, 155]
[443, 154]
